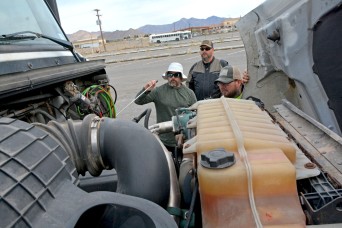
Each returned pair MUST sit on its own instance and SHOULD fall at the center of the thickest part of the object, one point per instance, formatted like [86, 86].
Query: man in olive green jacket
[167, 98]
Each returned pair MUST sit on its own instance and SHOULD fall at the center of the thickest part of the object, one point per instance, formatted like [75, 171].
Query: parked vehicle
[170, 36]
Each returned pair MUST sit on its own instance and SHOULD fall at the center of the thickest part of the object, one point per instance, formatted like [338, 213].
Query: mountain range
[147, 29]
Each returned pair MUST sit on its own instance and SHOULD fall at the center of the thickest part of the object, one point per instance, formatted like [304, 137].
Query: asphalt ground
[130, 70]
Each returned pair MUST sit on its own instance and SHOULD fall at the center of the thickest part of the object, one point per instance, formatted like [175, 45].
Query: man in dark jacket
[202, 75]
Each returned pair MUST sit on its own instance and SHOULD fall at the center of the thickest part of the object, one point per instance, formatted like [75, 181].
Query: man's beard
[174, 83]
[205, 58]
[231, 94]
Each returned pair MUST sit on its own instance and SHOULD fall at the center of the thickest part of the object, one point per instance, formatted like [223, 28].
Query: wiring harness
[101, 102]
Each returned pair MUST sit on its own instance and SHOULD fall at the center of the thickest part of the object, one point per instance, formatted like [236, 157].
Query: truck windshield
[28, 15]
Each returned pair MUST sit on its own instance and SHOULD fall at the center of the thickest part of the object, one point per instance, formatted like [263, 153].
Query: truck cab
[42, 77]
[31, 38]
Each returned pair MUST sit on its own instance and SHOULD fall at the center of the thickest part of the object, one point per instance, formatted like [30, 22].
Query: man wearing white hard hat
[167, 98]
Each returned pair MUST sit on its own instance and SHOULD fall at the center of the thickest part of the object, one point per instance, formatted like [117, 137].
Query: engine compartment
[58, 93]
[284, 179]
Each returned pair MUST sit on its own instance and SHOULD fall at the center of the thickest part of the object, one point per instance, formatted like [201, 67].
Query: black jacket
[202, 76]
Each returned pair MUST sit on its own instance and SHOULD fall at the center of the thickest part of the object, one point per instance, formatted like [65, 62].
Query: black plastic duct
[37, 185]
[138, 159]
[95, 144]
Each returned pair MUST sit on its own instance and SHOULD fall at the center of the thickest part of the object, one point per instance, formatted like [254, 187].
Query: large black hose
[138, 159]
[95, 144]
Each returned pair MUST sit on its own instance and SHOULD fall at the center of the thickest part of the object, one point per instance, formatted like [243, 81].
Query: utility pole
[99, 23]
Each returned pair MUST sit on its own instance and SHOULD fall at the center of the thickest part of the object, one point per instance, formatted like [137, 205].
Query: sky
[125, 14]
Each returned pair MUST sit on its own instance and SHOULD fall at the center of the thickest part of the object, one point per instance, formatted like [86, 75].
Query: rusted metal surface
[310, 165]
[321, 145]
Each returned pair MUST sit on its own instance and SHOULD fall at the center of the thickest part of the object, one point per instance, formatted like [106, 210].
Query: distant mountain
[109, 36]
[181, 24]
[120, 34]
[147, 29]
[83, 35]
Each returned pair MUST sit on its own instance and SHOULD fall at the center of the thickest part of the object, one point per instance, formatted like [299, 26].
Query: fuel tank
[246, 170]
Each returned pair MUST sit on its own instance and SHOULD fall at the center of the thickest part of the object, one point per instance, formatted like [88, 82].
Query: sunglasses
[176, 74]
[206, 48]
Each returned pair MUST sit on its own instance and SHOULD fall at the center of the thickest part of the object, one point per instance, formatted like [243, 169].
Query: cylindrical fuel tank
[263, 160]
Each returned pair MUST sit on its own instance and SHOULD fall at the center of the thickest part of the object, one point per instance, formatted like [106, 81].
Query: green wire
[108, 104]
[108, 100]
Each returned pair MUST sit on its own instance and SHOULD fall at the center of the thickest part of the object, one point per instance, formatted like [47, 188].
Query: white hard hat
[175, 67]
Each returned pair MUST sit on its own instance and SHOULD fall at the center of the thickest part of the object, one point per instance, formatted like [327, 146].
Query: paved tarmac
[223, 41]
[130, 70]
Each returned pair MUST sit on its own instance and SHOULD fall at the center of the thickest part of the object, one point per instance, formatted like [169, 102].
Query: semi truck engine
[238, 160]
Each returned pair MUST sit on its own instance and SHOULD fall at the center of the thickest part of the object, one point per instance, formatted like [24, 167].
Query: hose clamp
[95, 122]
[94, 152]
